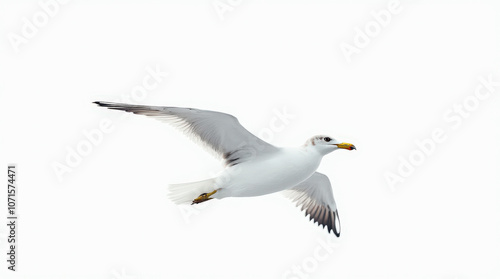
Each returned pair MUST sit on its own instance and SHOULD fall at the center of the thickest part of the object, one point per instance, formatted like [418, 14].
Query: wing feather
[220, 132]
[316, 197]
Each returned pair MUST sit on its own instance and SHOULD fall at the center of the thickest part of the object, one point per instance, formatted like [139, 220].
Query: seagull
[253, 167]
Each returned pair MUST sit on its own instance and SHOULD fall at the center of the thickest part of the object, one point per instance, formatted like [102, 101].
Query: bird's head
[326, 144]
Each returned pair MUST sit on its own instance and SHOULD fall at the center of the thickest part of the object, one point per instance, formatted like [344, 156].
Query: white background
[109, 216]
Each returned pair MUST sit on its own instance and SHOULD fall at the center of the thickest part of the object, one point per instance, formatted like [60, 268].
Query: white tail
[187, 192]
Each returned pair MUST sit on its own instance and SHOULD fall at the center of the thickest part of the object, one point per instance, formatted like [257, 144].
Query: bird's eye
[327, 139]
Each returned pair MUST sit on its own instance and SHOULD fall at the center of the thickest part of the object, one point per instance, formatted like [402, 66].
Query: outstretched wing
[220, 132]
[316, 197]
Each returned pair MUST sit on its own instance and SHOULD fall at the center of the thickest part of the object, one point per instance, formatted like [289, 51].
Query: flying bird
[253, 166]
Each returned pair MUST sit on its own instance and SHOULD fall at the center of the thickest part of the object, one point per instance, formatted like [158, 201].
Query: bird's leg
[204, 197]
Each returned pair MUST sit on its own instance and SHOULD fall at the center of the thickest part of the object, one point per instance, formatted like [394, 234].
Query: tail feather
[185, 193]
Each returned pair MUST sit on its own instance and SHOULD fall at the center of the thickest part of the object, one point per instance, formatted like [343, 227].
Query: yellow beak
[345, 145]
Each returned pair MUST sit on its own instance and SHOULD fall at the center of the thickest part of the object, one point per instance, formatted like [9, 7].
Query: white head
[326, 144]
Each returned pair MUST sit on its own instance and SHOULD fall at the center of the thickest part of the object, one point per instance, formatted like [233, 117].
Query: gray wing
[220, 132]
[316, 197]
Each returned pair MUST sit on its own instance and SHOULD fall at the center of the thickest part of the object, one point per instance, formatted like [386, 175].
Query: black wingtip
[102, 104]
[109, 105]
[336, 220]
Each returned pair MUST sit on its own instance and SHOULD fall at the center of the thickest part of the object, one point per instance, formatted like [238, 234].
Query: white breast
[270, 174]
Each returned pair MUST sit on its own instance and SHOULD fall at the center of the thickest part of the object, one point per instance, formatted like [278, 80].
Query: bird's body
[278, 171]
[253, 166]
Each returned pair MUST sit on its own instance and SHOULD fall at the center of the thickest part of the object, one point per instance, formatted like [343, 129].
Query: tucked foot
[203, 197]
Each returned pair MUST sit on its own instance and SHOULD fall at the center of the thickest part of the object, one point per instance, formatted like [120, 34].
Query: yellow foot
[204, 197]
